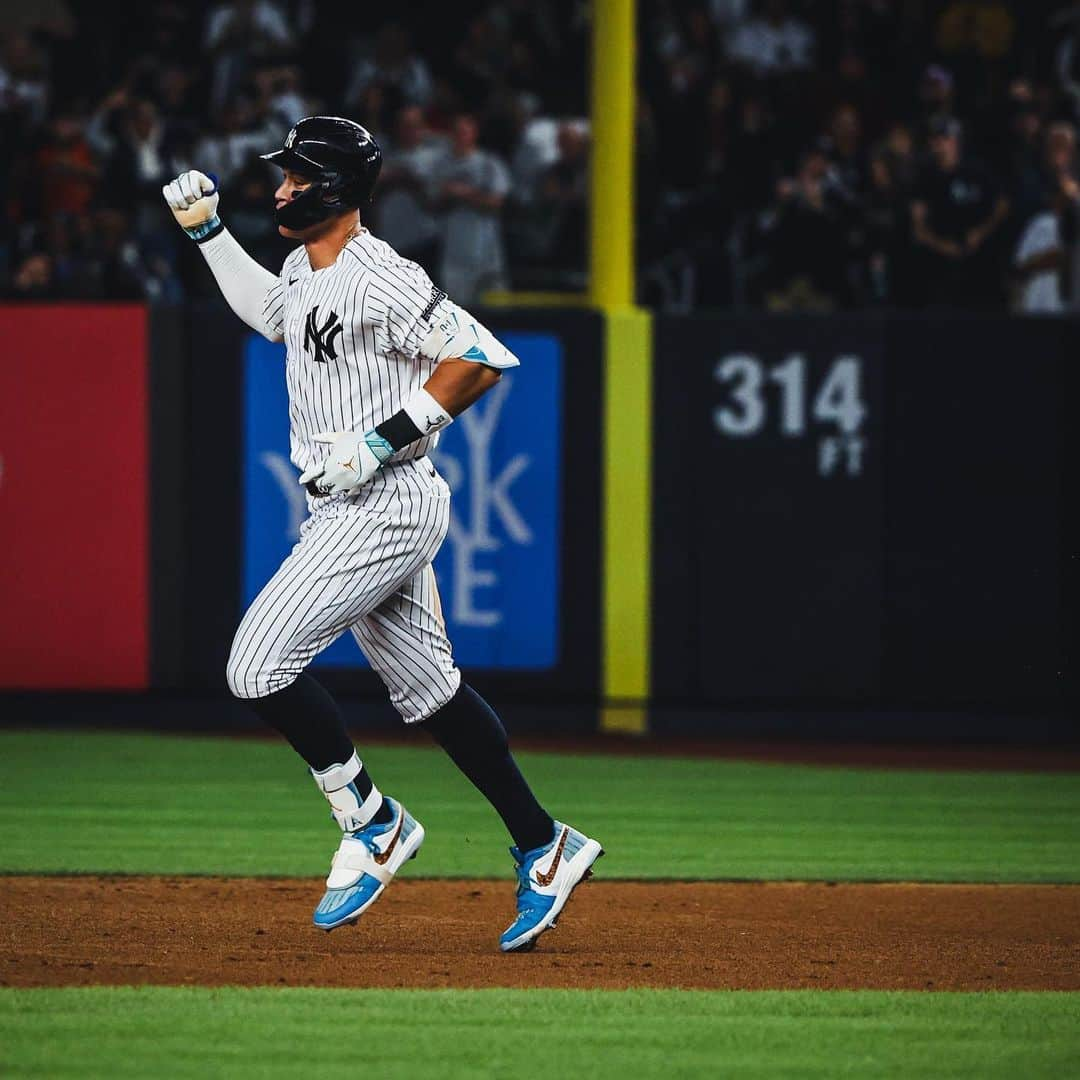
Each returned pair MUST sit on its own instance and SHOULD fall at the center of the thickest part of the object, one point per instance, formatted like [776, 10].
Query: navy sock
[309, 718]
[470, 731]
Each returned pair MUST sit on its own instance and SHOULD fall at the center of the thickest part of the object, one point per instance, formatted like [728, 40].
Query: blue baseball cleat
[364, 864]
[546, 877]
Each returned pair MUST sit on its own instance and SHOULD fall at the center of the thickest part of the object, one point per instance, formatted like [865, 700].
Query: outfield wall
[877, 509]
[847, 512]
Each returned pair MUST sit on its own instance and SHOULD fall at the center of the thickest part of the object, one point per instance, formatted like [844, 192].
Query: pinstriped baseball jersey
[353, 334]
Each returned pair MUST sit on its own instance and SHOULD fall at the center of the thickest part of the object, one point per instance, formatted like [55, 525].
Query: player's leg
[293, 617]
[405, 641]
[340, 570]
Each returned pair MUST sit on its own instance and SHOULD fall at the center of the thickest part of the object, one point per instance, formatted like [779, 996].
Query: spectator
[754, 151]
[34, 279]
[681, 98]
[394, 65]
[889, 274]
[861, 45]
[1064, 197]
[728, 91]
[936, 100]
[1038, 264]
[900, 145]
[469, 186]
[543, 53]
[956, 211]
[255, 25]
[563, 201]
[1067, 59]
[727, 13]
[24, 87]
[117, 267]
[173, 94]
[535, 148]
[482, 59]
[66, 168]
[281, 91]
[242, 133]
[808, 257]
[886, 275]
[773, 43]
[403, 215]
[1021, 156]
[130, 140]
[236, 34]
[376, 109]
[846, 154]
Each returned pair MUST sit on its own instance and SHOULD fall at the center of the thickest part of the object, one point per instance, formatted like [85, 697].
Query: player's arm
[248, 288]
[470, 360]
[458, 383]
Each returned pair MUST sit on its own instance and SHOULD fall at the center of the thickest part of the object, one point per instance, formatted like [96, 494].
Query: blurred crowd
[815, 155]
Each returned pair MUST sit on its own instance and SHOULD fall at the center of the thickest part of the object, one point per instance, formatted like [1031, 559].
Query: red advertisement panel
[74, 532]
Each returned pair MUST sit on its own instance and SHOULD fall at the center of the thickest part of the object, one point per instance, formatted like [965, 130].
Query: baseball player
[378, 361]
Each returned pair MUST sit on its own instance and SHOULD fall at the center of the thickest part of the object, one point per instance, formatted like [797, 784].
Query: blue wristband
[208, 229]
[379, 446]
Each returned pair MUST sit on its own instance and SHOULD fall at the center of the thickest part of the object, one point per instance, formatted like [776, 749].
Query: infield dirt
[65, 931]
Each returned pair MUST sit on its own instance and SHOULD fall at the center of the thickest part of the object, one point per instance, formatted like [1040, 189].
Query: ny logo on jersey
[322, 337]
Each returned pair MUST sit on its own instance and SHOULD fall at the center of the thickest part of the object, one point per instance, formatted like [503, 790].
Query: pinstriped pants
[363, 563]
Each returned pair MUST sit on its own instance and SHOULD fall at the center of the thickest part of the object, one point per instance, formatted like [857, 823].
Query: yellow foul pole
[627, 372]
[611, 250]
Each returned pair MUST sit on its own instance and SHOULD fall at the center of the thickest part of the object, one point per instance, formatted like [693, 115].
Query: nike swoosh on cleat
[381, 859]
[544, 880]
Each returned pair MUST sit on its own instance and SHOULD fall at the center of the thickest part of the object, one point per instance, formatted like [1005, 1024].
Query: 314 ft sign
[833, 412]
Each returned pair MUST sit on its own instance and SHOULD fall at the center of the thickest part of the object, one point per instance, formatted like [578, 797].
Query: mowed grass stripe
[189, 1032]
[136, 803]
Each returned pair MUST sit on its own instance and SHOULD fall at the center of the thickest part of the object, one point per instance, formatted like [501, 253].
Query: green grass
[187, 1032]
[129, 803]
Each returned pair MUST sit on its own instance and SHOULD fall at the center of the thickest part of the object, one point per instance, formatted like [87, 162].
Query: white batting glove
[193, 199]
[354, 459]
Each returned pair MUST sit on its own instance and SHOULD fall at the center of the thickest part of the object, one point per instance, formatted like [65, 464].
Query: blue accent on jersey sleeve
[476, 354]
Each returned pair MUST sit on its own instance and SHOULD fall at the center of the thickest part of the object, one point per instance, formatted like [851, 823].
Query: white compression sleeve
[243, 282]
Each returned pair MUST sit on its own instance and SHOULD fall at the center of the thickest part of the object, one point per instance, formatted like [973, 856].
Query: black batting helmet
[342, 159]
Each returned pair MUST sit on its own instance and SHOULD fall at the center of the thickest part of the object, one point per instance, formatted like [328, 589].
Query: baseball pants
[363, 564]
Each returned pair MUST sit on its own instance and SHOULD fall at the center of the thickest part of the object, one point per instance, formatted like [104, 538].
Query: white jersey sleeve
[246, 286]
[423, 322]
[452, 333]
[409, 307]
[274, 310]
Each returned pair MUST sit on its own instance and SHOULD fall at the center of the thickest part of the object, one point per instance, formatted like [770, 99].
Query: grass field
[470, 1033]
[141, 804]
[107, 804]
